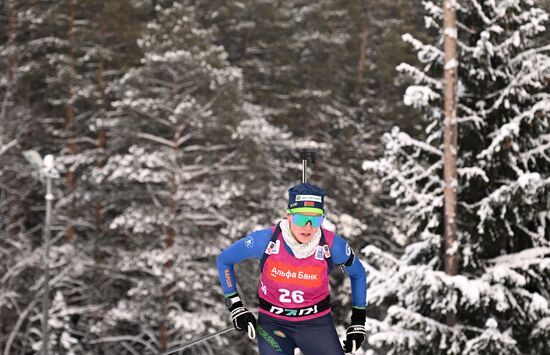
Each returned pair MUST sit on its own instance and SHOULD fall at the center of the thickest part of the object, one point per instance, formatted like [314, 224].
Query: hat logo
[308, 198]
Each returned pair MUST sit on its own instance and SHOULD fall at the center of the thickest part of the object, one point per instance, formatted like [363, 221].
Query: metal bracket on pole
[305, 155]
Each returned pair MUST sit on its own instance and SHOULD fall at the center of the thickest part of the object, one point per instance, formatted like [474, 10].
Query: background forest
[176, 127]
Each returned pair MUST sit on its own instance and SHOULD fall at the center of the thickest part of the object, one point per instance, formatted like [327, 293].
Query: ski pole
[305, 155]
[198, 341]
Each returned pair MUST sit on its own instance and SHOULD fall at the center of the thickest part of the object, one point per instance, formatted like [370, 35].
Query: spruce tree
[500, 297]
[24, 50]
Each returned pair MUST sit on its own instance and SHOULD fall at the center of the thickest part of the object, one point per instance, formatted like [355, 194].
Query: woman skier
[296, 257]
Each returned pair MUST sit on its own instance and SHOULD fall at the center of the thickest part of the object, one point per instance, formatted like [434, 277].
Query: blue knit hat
[306, 198]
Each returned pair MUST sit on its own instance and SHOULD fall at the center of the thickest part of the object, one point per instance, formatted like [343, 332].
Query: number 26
[297, 296]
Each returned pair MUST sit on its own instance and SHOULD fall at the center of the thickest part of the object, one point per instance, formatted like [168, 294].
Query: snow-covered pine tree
[500, 298]
[100, 27]
[300, 63]
[172, 186]
[24, 60]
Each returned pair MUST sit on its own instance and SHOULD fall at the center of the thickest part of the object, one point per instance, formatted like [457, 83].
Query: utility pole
[46, 170]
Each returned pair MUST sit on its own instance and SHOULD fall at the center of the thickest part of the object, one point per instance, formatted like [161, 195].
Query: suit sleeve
[342, 254]
[251, 246]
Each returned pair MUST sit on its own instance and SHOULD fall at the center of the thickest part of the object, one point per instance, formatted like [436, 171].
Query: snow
[523, 257]
[489, 339]
[525, 180]
[503, 178]
[538, 306]
[404, 139]
[419, 96]
[503, 274]
[419, 76]
[350, 226]
[258, 128]
[470, 172]
[426, 53]
[451, 32]
[491, 323]
[451, 64]
[453, 249]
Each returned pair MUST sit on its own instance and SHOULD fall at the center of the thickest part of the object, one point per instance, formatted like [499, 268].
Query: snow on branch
[534, 20]
[539, 236]
[426, 52]
[419, 76]
[8, 146]
[414, 169]
[157, 139]
[472, 115]
[532, 73]
[401, 139]
[523, 258]
[433, 10]
[530, 53]
[529, 183]
[139, 165]
[470, 172]
[378, 258]
[541, 333]
[542, 148]
[404, 330]
[512, 128]
[418, 250]
[492, 340]
[409, 316]
[481, 13]
[419, 96]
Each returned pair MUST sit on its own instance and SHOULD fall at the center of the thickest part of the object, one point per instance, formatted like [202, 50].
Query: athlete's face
[305, 233]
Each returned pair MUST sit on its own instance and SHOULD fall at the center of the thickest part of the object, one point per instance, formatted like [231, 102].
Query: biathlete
[296, 257]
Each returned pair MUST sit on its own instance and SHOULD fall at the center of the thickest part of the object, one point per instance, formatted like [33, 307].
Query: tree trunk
[101, 145]
[69, 121]
[154, 9]
[450, 137]
[6, 319]
[8, 96]
[359, 90]
[329, 63]
[169, 243]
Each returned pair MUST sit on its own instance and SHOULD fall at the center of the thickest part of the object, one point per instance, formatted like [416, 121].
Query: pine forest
[139, 138]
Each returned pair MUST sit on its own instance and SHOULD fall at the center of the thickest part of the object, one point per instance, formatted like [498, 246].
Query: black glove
[243, 320]
[356, 334]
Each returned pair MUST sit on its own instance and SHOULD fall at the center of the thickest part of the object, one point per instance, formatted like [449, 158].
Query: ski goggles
[302, 220]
